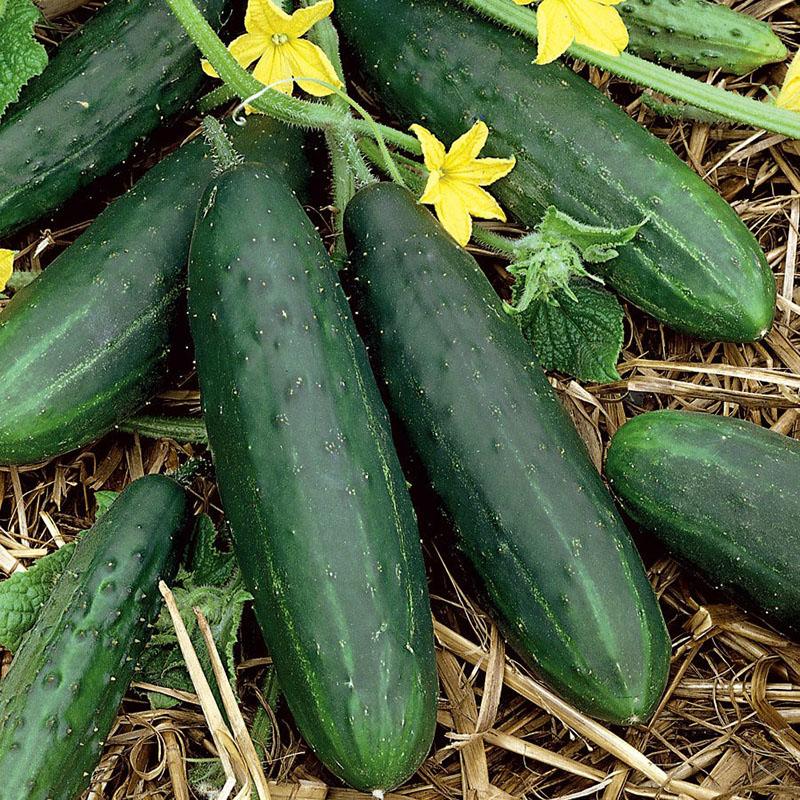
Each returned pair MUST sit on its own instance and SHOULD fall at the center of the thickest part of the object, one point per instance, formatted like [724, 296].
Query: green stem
[181, 429]
[687, 90]
[501, 245]
[215, 98]
[346, 172]
[224, 153]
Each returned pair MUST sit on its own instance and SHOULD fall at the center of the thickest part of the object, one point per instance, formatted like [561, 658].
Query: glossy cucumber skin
[111, 83]
[693, 266]
[698, 35]
[533, 515]
[321, 519]
[88, 342]
[61, 695]
[723, 495]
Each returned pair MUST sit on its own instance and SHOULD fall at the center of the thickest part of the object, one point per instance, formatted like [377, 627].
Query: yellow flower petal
[789, 95]
[272, 67]
[306, 18]
[205, 65]
[483, 171]
[453, 215]
[433, 192]
[556, 33]
[248, 48]
[593, 23]
[433, 150]
[523, 2]
[479, 203]
[265, 18]
[598, 25]
[309, 61]
[245, 49]
[6, 266]
[465, 149]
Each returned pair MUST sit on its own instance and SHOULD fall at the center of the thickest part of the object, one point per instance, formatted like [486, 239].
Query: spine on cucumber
[533, 515]
[693, 265]
[108, 85]
[88, 342]
[722, 495]
[62, 692]
[321, 520]
[698, 35]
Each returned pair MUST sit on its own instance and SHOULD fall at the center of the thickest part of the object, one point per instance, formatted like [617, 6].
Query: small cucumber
[533, 515]
[88, 342]
[694, 265]
[698, 35]
[723, 495]
[109, 84]
[61, 695]
[322, 523]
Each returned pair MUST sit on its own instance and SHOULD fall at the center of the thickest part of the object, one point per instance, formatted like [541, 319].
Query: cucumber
[694, 265]
[322, 524]
[88, 342]
[698, 35]
[109, 84]
[533, 515]
[62, 692]
[722, 495]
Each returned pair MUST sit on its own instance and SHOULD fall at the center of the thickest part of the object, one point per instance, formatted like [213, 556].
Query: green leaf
[209, 565]
[596, 244]
[162, 662]
[21, 56]
[24, 593]
[211, 583]
[104, 501]
[579, 333]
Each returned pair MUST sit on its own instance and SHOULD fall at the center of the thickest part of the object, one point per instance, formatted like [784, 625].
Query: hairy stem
[224, 154]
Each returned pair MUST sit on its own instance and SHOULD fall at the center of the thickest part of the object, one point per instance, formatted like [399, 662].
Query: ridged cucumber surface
[694, 265]
[108, 85]
[62, 692]
[88, 342]
[533, 515]
[723, 495]
[698, 35]
[322, 523]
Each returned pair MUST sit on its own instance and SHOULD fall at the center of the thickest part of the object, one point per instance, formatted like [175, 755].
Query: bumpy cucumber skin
[322, 523]
[533, 515]
[722, 495]
[694, 265]
[698, 35]
[61, 695]
[111, 83]
[87, 343]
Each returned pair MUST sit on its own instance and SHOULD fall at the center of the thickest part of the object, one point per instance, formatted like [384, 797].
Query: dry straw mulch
[725, 728]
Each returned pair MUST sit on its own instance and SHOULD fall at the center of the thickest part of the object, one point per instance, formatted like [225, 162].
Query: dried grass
[725, 728]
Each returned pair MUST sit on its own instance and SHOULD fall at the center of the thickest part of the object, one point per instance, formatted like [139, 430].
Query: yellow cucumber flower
[6, 266]
[789, 95]
[593, 23]
[456, 177]
[273, 40]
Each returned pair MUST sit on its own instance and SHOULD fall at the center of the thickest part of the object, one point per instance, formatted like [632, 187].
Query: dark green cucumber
[533, 515]
[87, 343]
[108, 85]
[61, 695]
[723, 495]
[694, 265]
[698, 35]
[321, 520]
